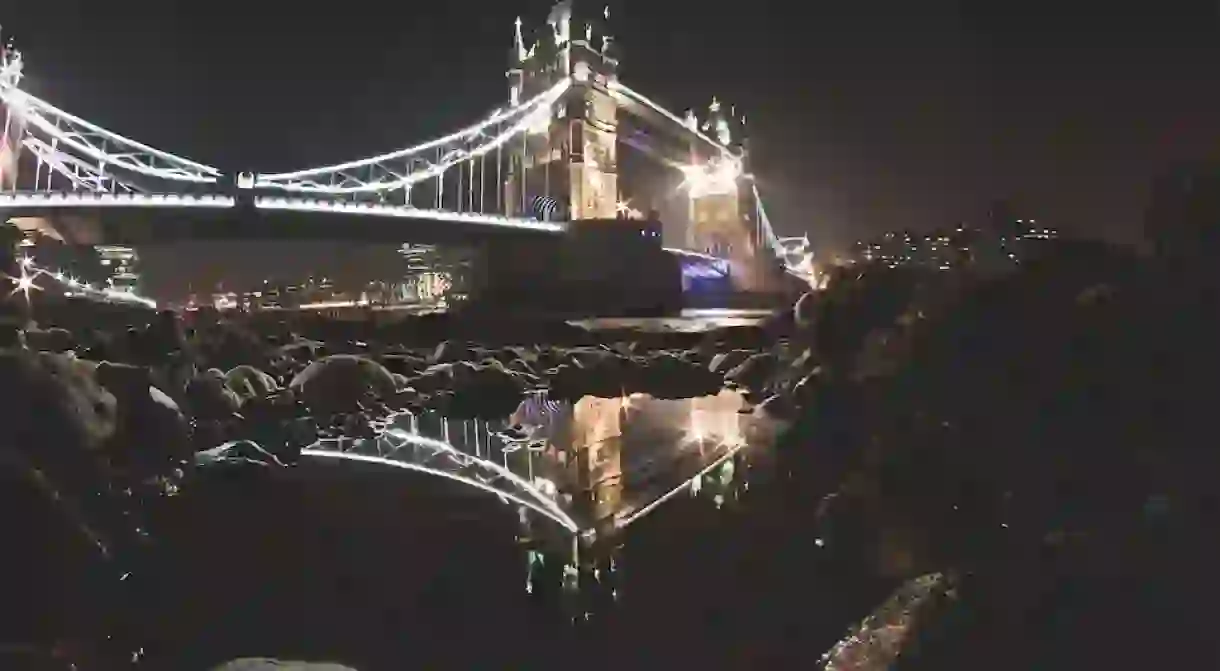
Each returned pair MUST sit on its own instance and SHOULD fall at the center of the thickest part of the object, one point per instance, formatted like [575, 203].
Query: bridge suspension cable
[406, 167]
[623, 91]
[107, 148]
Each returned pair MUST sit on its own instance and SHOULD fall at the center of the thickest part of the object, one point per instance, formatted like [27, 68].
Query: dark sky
[865, 116]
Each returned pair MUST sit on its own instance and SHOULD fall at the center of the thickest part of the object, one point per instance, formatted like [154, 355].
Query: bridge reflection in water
[592, 467]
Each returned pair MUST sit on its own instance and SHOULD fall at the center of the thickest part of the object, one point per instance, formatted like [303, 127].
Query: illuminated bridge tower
[722, 221]
[13, 125]
[597, 439]
[566, 167]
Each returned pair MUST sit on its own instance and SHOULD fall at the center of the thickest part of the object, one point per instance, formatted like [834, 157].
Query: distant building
[990, 249]
[121, 266]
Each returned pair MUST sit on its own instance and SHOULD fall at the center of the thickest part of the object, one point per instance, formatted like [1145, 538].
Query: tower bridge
[548, 159]
[548, 155]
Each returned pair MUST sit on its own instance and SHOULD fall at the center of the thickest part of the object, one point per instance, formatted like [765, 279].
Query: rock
[403, 364]
[489, 392]
[260, 664]
[726, 361]
[804, 312]
[236, 452]
[400, 381]
[207, 397]
[51, 340]
[451, 351]
[303, 351]
[803, 391]
[342, 382]
[58, 403]
[777, 406]
[667, 376]
[152, 431]
[754, 372]
[249, 382]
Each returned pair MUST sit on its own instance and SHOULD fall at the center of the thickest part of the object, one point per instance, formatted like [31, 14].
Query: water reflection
[623, 457]
[592, 467]
[690, 321]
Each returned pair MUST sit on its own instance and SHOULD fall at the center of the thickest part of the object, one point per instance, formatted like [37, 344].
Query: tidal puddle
[592, 467]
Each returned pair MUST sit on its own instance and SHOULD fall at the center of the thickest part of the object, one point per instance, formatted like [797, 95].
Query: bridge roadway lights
[94, 199]
[153, 217]
[87, 200]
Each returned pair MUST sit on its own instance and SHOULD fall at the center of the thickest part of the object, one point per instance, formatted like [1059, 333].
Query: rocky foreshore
[938, 422]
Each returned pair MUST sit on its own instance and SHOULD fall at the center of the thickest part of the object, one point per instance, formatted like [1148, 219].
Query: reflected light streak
[554, 510]
[625, 521]
[563, 521]
[725, 430]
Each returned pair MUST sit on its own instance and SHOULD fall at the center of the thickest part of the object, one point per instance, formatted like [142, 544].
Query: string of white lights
[403, 212]
[622, 89]
[91, 140]
[30, 272]
[105, 199]
[526, 113]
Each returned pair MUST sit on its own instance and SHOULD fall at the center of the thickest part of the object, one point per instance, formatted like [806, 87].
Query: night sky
[864, 116]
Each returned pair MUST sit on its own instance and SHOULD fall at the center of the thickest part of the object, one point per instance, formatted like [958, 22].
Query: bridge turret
[723, 220]
[13, 128]
[572, 158]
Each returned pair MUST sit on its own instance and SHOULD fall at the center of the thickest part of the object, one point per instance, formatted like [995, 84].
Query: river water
[689, 321]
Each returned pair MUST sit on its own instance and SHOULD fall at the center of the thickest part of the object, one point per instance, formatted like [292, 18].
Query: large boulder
[342, 383]
[208, 398]
[50, 340]
[488, 392]
[152, 431]
[265, 664]
[56, 404]
[249, 382]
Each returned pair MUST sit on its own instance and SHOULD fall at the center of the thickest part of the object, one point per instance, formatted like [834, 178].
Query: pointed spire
[560, 19]
[723, 133]
[520, 45]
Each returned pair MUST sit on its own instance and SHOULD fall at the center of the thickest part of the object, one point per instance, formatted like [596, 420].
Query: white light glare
[716, 178]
